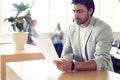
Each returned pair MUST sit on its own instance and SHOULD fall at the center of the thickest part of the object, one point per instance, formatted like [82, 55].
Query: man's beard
[80, 21]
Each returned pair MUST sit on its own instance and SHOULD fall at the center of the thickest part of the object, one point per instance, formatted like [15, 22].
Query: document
[47, 48]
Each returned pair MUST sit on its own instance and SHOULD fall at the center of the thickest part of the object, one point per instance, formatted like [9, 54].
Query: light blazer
[97, 47]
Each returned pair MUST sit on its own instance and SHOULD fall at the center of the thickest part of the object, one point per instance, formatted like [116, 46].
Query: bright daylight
[59, 40]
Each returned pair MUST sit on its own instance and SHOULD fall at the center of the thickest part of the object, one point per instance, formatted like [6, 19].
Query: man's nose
[75, 14]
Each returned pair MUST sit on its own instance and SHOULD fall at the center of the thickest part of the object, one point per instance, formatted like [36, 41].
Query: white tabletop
[43, 70]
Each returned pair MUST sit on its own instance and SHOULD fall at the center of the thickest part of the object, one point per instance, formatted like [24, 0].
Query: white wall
[107, 10]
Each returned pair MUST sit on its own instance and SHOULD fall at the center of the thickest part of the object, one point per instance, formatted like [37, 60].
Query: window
[49, 12]
[7, 11]
[109, 11]
[46, 12]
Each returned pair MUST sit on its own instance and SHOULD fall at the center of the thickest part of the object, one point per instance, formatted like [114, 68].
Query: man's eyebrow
[77, 10]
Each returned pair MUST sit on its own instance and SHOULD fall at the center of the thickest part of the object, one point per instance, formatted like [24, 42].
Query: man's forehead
[78, 6]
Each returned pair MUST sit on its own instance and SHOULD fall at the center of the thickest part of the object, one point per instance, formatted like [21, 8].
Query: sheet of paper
[47, 48]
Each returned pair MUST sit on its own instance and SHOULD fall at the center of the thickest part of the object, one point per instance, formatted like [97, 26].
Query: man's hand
[63, 65]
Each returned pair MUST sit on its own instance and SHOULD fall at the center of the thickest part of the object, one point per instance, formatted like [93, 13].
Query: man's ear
[91, 11]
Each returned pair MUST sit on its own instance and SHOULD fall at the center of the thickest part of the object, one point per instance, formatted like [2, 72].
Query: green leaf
[13, 26]
[17, 7]
[19, 26]
[27, 6]
[22, 6]
[11, 19]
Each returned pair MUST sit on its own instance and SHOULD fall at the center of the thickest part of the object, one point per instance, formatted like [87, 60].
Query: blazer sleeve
[102, 50]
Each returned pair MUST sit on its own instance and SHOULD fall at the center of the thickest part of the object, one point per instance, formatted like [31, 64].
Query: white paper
[47, 48]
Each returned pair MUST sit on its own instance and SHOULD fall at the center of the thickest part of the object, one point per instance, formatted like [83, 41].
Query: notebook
[46, 46]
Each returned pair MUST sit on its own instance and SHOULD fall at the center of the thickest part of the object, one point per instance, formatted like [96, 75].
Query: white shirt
[83, 32]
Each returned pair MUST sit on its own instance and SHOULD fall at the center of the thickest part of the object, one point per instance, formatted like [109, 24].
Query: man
[88, 39]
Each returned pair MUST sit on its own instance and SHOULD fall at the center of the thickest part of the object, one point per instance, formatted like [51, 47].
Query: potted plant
[17, 23]
[18, 20]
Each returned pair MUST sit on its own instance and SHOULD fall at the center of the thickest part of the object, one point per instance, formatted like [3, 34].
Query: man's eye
[78, 11]
[74, 11]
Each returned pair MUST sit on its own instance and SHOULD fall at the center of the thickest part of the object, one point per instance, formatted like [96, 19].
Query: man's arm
[64, 65]
[85, 66]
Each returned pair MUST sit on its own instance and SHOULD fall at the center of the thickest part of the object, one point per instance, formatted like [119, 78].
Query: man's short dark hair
[87, 3]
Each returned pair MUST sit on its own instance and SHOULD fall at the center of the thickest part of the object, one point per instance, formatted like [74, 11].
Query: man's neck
[86, 23]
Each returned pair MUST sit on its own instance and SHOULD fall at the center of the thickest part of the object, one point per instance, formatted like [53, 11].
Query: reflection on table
[43, 70]
[9, 54]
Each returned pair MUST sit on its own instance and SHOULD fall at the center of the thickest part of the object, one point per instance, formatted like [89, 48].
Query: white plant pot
[19, 40]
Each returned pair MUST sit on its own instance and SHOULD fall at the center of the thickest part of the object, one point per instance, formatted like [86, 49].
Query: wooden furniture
[43, 70]
[26, 65]
[9, 54]
[12, 75]
[5, 41]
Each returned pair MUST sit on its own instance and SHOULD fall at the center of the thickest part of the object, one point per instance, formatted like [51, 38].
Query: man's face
[81, 14]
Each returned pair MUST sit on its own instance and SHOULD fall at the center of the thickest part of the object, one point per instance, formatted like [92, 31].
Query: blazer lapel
[91, 26]
[88, 34]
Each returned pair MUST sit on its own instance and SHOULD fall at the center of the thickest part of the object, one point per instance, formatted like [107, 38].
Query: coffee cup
[68, 57]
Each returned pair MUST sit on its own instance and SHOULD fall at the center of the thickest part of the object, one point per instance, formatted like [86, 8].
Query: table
[43, 70]
[9, 54]
[5, 41]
